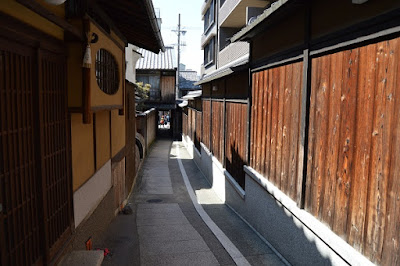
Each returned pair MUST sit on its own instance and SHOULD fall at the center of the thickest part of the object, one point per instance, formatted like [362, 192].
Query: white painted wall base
[87, 197]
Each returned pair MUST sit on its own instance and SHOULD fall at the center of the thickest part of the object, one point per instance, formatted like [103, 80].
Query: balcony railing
[232, 52]
[226, 9]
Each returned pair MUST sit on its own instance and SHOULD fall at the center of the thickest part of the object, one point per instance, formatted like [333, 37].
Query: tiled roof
[161, 61]
[187, 79]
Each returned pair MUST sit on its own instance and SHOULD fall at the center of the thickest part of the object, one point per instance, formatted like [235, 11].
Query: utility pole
[179, 31]
[179, 53]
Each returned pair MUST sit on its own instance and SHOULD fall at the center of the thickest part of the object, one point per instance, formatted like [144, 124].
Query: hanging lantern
[87, 58]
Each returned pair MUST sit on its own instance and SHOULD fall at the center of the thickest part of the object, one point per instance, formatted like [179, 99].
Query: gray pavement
[165, 227]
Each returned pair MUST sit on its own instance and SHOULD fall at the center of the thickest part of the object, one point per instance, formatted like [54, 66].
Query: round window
[107, 75]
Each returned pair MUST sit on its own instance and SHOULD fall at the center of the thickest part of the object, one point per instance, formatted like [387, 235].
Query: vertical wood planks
[206, 123]
[198, 131]
[354, 137]
[391, 246]
[217, 129]
[235, 148]
[275, 124]
[185, 124]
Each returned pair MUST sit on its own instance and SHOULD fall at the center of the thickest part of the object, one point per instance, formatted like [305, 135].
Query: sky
[190, 10]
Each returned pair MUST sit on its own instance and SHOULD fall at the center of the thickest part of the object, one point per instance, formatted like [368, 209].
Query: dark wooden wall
[275, 126]
[184, 124]
[217, 130]
[206, 123]
[35, 171]
[353, 178]
[198, 131]
[130, 146]
[236, 134]
[168, 88]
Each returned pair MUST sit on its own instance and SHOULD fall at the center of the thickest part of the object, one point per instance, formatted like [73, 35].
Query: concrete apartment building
[222, 19]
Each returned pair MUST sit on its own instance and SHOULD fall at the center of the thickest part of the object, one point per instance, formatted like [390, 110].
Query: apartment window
[209, 52]
[107, 75]
[209, 17]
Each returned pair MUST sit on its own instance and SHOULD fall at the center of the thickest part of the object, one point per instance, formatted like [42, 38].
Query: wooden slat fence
[206, 123]
[353, 178]
[275, 126]
[185, 124]
[197, 133]
[167, 88]
[192, 123]
[235, 146]
[217, 131]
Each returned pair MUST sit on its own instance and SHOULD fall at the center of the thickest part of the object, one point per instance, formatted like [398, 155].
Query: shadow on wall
[265, 214]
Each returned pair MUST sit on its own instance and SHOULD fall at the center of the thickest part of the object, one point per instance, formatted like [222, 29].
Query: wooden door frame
[17, 32]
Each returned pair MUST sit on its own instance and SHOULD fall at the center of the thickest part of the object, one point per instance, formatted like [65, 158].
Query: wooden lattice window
[107, 75]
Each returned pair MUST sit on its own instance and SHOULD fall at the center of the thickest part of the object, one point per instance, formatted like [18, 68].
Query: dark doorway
[164, 124]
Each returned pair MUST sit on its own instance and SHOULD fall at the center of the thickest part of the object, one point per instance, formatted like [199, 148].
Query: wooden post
[86, 91]
[224, 125]
[40, 154]
[305, 114]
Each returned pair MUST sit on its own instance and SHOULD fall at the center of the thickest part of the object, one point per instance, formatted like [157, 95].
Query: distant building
[159, 70]
[187, 80]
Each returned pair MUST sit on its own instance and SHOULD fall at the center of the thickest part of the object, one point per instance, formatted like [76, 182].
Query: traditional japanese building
[64, 117]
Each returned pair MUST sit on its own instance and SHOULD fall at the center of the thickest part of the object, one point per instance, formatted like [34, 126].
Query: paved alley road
[168, 228]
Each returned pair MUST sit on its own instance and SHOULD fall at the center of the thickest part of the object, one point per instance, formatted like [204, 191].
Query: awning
[183, 104]
[192, 95]
[226, 70]
[137, 21]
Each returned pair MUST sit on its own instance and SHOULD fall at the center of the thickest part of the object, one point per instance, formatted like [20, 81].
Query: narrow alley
[167, 228]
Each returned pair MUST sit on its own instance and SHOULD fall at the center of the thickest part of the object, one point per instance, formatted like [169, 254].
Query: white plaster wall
[88, 197]
[131, 57]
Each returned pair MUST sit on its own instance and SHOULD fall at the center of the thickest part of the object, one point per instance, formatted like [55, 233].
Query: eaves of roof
[225, 70]
[192, 95]
[137, 21]
[160, 61]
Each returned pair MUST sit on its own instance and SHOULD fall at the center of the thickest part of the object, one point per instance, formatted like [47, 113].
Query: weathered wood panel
[168, 88]
[190, 130]
[130, 120]
[235, 146]
[206, 124]
[217, 141]
[185, 124]
[275, 125]
[353, 171]
[192, 124]
[198, 131]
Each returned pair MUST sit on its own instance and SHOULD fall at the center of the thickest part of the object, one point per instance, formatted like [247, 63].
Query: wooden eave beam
[62, 23]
